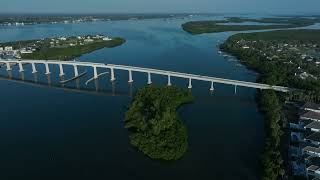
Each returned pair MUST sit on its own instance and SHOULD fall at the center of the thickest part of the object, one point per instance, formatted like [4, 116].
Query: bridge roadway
[131, 69]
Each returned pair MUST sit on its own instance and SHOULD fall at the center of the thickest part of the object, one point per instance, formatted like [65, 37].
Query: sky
[161, 6]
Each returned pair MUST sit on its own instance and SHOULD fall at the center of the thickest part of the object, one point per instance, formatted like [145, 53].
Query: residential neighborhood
[305, 57]
[19, 49]
[304, 148]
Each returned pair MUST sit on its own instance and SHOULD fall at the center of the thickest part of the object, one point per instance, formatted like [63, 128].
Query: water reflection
[78, 83]
[21, 75]
[96, 85]
[49, 79]
[78, 88]
[10, 74]
[35, 77]
[130, 89]
[113, 88]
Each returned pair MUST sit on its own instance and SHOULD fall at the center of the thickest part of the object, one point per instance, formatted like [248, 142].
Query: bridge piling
[169, 80]
[61, 70]
[34, 70]
[8, 66]
[130, 77]
[76, 72]
[20, 67]
[149, 78]
[112, 75]
[190, 84]
[47, 68]
[212, 86]
[95, 72]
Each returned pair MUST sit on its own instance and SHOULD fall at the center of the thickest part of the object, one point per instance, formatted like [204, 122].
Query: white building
[26, 52]
[311, 107]
[107, 39]
[1, 49]
[8, 48]
[63, 39]
[88, 40]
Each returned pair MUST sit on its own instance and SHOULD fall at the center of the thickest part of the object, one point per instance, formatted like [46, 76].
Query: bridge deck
[154, 71]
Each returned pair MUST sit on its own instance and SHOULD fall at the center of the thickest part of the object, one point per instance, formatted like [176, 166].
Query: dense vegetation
[276, 71]
[275, 122]
[155, 127]
[200, 27]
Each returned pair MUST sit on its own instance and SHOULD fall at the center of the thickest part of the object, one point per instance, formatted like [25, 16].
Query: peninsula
[61, 48]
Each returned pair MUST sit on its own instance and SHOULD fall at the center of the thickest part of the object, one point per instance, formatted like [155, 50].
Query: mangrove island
[154, 125]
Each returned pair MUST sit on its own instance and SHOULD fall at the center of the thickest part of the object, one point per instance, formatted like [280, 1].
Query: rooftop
[314, 137]
[313, 125]
[312, 149]
[310, 115]
[314, 160]
[312, 168]
[310, 105]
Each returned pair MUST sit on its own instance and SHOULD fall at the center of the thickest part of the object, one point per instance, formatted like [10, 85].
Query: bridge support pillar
[76, 72]
[112, 75]
[95, 72]
[169, 80]
[47, 68]
[20, 67]
[34, 70]
[190, 84]
[212, 86]
[130, 77]
[149, 78]
[8, 66]
[61, 70]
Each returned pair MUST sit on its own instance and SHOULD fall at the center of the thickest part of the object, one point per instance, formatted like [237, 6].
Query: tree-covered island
[200, 27]
[61, 48]
[154, 125]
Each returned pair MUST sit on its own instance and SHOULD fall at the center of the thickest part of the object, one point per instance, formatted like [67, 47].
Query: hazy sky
[136, 6]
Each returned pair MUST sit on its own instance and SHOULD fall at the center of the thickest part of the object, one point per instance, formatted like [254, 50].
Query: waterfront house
[88, 40]
[311, 151]
[309, 106]
[106, 39]
[313, 164]
[8, 48]
[62, 38]
[1, 49]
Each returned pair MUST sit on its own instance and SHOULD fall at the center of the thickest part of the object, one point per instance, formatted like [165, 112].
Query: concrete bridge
[132, 69]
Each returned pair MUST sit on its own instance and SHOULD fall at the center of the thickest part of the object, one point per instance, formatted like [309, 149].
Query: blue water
[49, 133]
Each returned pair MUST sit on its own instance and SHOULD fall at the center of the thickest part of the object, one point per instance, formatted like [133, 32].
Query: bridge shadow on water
[77, 88]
